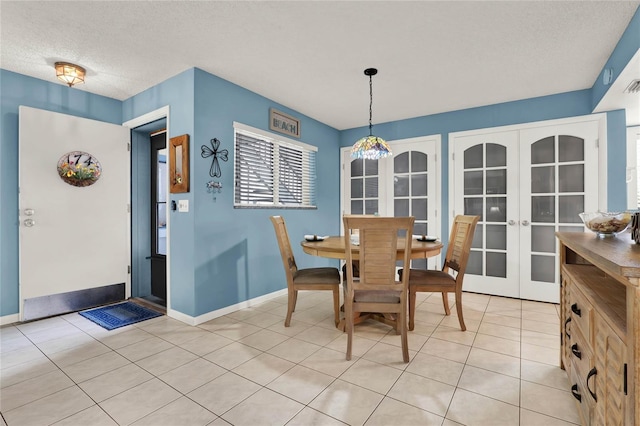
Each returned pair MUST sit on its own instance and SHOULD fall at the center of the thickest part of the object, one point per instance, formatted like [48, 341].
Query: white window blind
[273, 171]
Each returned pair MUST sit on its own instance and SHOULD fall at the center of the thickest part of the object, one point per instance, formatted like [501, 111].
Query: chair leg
[412, 307]
[291, 306]
[459, 310]
[348, 318]
[445, 302]
[336, 305]
[402, 323]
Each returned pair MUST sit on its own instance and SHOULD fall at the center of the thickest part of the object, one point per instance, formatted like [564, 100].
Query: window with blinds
[273, 171]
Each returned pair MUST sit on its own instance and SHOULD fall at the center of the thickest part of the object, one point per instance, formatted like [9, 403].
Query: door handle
[525, 222]
[511, 222]
[29, 223]
[29, 212]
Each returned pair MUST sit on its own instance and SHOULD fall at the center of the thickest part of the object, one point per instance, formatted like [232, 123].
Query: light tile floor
[246, 368]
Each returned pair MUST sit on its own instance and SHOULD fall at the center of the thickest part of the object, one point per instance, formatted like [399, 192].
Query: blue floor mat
[116, 316]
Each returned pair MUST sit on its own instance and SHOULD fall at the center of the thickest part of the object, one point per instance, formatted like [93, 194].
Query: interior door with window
[412, 189]
[560, 164]
[487, 186]
[525, 184]
[362, 189]
[404, 184]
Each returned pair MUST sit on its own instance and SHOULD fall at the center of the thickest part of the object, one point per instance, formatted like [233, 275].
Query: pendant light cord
[370, 104]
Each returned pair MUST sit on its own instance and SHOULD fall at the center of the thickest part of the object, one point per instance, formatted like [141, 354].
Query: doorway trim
[147, 118]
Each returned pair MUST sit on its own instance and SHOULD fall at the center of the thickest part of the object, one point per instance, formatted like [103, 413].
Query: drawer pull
[576, 351]
[575, 393]
[593, 372]
[566, 323]
[575, 309]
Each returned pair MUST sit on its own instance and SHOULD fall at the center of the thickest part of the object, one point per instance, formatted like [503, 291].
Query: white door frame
[147, 118]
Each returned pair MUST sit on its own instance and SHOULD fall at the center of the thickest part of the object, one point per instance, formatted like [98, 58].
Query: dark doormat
[119, 315]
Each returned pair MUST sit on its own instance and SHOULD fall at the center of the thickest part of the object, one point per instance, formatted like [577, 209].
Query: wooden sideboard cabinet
[600, 325]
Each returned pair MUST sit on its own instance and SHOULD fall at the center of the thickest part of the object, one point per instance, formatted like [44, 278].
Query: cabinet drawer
[581, 314]
[583, 400]
[582, 359]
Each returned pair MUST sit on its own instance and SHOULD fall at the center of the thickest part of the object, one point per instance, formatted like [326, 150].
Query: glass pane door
[485, 187]
[413, 183]
[364, 186]
[561, 169]
[161, 204]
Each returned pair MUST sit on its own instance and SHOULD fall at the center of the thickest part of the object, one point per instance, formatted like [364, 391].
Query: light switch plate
[183, 206]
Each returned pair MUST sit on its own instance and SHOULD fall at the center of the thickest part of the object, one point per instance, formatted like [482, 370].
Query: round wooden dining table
[334, 248]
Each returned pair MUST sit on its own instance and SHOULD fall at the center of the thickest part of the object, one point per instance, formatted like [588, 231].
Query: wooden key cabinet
[600, 325]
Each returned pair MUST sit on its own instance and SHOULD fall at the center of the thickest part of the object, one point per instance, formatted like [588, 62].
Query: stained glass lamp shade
[371, 148]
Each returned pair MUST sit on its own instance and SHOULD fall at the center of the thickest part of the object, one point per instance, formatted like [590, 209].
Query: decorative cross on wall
[208, 152]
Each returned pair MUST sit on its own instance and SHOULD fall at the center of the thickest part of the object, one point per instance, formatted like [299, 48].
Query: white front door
[71, 237]
[525, 184]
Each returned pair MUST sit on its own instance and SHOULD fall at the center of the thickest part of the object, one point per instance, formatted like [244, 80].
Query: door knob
[511, 222]
[29, 212]
[29, 223]
[525, 222]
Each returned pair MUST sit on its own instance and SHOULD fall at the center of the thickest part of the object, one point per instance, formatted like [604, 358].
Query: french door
[402, 185]
[525, 184]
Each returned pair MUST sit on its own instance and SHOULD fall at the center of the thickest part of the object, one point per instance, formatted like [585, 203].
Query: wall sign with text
[284, 123]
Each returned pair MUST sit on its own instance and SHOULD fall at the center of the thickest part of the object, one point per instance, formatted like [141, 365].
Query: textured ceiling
[432, 56]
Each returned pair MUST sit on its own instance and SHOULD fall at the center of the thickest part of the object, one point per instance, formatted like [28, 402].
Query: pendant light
[371, 147]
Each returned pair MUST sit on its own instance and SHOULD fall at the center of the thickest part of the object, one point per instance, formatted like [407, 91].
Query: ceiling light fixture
[70, 73]
[370, 147]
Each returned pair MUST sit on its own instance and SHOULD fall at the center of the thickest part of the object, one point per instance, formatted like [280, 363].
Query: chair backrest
[460, 241]
[378, 247]
[288, 261]
[355, 231]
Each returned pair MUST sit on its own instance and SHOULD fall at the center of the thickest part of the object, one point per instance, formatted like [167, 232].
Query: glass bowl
[606, 224]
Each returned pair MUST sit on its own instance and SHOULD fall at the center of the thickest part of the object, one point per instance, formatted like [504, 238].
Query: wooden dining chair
[324, 278]
[376, 289]
[449, 279]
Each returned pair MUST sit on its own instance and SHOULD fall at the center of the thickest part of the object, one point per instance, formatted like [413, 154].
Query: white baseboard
[9, 319]
[187, 319]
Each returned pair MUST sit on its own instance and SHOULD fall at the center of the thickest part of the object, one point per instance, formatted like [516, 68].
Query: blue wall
[16, 90]
[177, 93]
[216, 250]
[236, 256]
